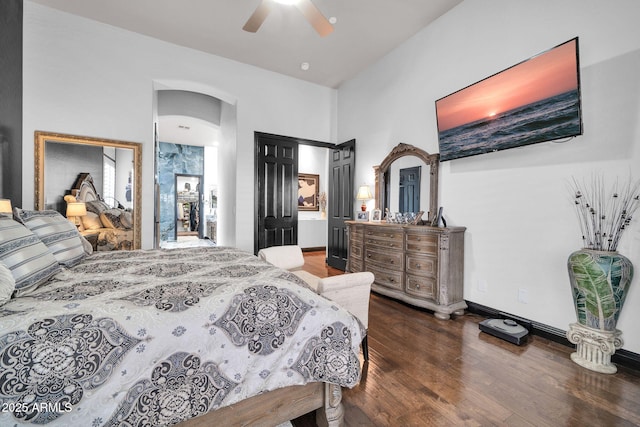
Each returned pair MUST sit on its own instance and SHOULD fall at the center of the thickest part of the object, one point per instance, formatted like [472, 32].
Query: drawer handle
[368, 255]
[418, 266]
[418, 286]
[391, 280]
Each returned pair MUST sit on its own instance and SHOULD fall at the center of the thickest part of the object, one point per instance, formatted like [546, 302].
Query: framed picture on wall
[308, 188]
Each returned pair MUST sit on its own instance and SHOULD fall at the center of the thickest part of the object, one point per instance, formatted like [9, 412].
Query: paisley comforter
[156, 337]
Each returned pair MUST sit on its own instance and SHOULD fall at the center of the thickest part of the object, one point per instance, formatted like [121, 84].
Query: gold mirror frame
[41, 138]
[401, 150]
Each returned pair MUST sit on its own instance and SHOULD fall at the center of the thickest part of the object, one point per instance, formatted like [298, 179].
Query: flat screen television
[534, 101]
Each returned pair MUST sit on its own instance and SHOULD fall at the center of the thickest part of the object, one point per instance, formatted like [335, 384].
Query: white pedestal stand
[594, 347]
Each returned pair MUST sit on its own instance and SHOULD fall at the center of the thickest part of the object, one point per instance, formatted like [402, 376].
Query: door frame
[200, 193]
[259, 181]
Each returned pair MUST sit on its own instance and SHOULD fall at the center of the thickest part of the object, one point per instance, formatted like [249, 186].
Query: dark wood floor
[428, 372]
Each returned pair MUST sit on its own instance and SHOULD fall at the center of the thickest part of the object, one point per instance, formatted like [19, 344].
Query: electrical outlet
[523, 296]
[482, 285]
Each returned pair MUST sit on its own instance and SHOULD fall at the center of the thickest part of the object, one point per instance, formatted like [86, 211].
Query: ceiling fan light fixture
[308, 9]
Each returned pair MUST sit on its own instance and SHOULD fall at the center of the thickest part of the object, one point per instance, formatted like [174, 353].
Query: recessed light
[288, 2]
[304, 66]
[333, 20]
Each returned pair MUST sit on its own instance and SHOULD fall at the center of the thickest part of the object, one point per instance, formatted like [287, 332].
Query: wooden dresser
[419, 265]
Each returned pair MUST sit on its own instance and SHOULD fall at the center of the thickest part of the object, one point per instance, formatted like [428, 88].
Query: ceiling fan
[308, 9]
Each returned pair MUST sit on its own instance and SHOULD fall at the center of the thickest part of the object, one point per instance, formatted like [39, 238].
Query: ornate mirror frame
[41, 139]
[382, 179]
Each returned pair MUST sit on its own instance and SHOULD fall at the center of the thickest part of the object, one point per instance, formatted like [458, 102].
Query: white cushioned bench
[351, 291]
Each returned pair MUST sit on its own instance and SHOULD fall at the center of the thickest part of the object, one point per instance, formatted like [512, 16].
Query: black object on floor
[506, 329]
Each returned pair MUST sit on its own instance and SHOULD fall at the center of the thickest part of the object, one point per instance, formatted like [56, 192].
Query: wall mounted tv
[534, 101]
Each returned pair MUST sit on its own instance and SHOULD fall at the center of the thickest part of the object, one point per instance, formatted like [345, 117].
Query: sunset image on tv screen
[537, 100]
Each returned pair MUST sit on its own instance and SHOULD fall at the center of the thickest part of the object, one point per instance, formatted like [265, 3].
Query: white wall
[515, 204]
[85, 78]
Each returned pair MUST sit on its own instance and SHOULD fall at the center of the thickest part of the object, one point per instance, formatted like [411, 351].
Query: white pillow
[29, 260]
[7, 283]
[91, 221]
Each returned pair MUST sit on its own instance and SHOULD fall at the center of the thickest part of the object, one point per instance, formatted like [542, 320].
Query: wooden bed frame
[279, 406]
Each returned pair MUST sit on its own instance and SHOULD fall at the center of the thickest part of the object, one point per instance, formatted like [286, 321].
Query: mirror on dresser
[418, 264]
[407, 181]
[114, 167]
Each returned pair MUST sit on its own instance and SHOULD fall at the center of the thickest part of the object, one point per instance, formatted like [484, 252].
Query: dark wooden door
[409, 189]
[342, 166]
[276, 191]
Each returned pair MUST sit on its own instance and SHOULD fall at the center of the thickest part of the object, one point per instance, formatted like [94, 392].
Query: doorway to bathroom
[195, 144]
[189, 207]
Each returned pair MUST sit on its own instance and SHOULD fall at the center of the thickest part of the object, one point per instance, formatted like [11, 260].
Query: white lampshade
[364, 193]
[5, 206]
[76, 209]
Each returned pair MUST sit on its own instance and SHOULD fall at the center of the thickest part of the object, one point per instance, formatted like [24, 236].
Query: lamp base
[363, 207]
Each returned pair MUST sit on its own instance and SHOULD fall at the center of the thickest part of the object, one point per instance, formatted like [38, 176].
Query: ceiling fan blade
[259, 15]
[315, 17]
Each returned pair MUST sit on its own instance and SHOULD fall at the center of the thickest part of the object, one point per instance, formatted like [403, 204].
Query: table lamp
[364, 194]
[5, 206]
[75, 210]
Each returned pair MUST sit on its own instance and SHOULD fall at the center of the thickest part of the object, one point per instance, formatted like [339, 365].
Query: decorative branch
[604, 216]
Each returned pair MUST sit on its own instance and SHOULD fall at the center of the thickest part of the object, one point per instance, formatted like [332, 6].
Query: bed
[197, 336]
[113, 226]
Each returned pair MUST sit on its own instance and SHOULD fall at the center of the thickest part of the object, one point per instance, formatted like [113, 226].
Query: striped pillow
[7, 283]
[56, 232]
[28, 259]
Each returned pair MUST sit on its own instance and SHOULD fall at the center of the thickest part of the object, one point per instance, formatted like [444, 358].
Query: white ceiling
[364, 32]
[188, 130]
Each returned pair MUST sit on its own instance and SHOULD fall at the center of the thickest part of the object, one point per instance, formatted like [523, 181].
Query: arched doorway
[219, 158]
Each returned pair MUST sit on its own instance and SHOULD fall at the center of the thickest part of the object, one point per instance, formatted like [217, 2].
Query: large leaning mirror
[91, 169]
[407, 181]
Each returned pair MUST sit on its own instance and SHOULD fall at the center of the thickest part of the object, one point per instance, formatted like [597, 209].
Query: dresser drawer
[422, 265]
[426, 243]
[390, 260]
[420, 286]
[387, 278]
[355, 251]
[386, 237]
[391, 233]
[391, 245]
[355, 234]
